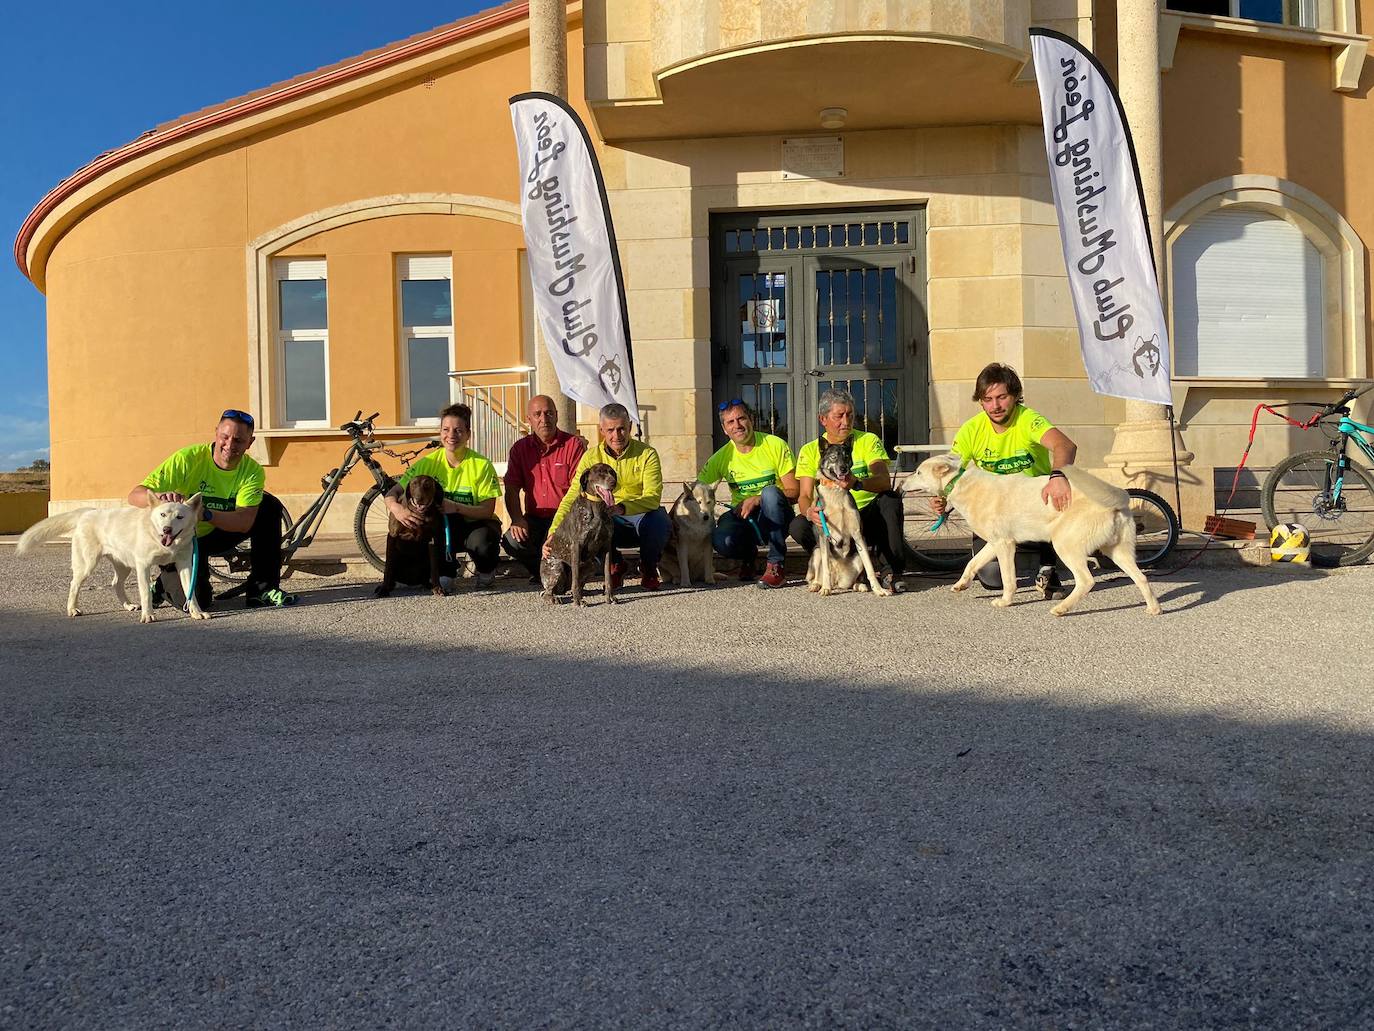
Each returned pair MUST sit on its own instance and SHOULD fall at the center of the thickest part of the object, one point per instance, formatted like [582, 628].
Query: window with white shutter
[302, 310]
[1247, 298]
[426, 337]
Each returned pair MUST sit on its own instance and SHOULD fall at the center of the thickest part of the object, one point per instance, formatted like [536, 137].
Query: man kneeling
[237, 508]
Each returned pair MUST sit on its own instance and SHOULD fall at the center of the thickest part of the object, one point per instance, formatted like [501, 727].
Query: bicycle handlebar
[1345, 399]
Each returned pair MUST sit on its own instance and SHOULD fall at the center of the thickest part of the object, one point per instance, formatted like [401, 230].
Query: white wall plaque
[813, 157]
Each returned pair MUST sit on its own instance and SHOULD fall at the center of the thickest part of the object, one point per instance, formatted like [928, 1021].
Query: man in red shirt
[541, 465]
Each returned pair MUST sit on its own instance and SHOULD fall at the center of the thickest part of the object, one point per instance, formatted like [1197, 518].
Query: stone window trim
[1338, 22]
[1343, 259]
[264, 384]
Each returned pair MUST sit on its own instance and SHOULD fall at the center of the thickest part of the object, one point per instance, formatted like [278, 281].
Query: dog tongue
[167, 538]
[606, 496]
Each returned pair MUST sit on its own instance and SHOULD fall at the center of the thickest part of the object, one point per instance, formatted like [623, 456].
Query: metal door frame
[801, 263]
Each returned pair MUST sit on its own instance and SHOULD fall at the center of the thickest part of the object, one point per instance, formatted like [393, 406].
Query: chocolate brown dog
[415, 557]
[582, 537]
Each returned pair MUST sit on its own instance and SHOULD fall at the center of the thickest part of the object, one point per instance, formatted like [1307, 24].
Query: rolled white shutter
[1247, 292]
[426, 266]
[301, 268]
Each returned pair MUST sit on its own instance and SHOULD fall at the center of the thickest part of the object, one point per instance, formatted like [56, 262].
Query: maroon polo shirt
[544, 473]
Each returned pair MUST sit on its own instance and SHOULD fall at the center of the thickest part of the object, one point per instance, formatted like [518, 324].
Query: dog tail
[47, 529]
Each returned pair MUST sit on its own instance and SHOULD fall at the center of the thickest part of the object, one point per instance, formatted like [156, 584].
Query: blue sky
[88, 77]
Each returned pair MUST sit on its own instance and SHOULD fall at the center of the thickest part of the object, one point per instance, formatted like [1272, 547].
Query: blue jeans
[739, 538]
[647, 532]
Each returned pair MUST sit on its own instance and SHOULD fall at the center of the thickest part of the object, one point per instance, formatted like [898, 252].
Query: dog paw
[882, 592]
[962, 585]
[825, 592]
[813, 588]
[131, 607]
[199, 614]
[1005, 603]
[147, 617]
[73, 613]
[1153, 610]
[862, 589]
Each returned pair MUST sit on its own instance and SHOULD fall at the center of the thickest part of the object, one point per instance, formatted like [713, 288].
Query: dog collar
[831, 483]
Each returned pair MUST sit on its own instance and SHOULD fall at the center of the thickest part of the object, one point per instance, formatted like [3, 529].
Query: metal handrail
[497, 408]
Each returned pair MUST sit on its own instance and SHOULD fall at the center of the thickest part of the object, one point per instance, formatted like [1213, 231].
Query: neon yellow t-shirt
[868, 449]
[749, 472]
[192, 470]
[470, 482]
[639, 479]
[1017, 449]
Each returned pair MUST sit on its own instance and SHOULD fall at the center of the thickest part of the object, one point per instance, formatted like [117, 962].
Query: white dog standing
[137, 540]
[1004, 510]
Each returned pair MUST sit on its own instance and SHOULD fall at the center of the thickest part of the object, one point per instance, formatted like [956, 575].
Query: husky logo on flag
[1097, 196]
[579, 297]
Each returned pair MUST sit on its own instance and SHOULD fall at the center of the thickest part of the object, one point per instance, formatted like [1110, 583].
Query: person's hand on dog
[519, 531]
[938, 505]
[165, 496]
[1057, 492]
[405, 515]
[749, 505]
[547, 549]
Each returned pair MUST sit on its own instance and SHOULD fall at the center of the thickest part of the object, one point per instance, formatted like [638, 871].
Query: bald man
[537, 477]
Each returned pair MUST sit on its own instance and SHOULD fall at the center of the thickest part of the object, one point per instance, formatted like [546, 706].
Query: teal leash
[945, 494]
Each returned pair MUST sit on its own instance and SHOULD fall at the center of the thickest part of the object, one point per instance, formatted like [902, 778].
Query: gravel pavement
[725, 808]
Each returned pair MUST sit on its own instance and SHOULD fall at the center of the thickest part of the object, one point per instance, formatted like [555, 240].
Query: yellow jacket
[639, 479]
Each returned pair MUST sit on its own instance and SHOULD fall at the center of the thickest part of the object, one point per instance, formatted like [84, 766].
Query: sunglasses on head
[238, 416]
[734, 402]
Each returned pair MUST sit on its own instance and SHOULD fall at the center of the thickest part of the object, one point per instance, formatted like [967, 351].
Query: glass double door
[793, 322]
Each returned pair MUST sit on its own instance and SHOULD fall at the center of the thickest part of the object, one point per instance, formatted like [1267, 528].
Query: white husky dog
[137, 540]
[1006, 509]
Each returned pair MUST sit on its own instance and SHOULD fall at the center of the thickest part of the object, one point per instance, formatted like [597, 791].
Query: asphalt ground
[694, 809]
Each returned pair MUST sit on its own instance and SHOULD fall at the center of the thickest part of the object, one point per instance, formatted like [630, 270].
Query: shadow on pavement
[270, 831]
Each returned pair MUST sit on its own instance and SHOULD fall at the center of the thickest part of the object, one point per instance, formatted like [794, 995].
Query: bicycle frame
[303, 531]
[1349, 430]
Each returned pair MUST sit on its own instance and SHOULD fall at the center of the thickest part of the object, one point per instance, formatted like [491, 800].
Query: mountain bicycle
[369, 520]
[1331, 496]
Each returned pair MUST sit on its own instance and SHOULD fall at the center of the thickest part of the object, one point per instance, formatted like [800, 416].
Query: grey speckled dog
[582, 537]
[841, 557]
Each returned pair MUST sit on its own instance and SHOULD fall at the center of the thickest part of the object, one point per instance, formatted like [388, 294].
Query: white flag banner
[1097, 195]
[579, 297]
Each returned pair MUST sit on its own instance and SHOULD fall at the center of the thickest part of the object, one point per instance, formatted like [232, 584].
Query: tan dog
[689, 552]
[841, 553]
[1005, 510]
[137, 540]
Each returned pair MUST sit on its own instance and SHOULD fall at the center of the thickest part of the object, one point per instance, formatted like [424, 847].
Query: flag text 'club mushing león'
[579, 296]
[1097, 196]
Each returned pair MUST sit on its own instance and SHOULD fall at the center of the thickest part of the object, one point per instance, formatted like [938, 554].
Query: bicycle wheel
[1156, 527]
[1299, 490]
[370, 526]
[946, 550]
[233, 566]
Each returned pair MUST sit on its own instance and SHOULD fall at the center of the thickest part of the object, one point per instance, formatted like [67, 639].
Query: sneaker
[772, 576]
[485, 580]
[1047, 582]
[617, 575]
[748, 570]
[648, 578]
[895, 584]
[446, 582]
[272, 598]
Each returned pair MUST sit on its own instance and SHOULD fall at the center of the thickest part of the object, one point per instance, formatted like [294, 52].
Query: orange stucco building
[343, 240]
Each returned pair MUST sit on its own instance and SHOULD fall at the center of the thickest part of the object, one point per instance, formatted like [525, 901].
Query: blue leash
[448, 540]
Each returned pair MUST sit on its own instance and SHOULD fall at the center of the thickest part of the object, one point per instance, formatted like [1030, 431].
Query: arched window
[1248, 297]
[1265, 281]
